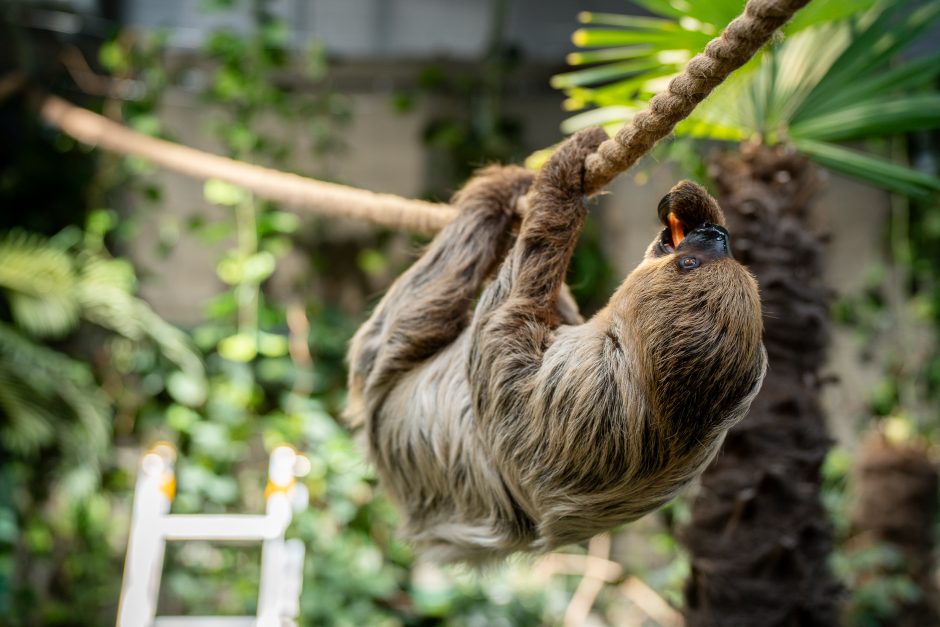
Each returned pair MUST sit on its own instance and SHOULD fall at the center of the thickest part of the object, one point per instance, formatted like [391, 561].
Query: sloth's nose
[708, 239]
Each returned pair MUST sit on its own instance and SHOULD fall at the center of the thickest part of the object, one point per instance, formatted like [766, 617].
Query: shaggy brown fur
[511, 426]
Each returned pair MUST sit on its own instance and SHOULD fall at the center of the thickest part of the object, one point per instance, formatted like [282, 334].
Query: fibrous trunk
[895, 505]
[759, 538]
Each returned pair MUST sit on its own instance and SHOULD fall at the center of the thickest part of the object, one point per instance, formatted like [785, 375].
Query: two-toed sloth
[504, 423]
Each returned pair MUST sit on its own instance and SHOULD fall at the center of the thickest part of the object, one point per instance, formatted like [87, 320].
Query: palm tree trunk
[895, 505]
[759, 538]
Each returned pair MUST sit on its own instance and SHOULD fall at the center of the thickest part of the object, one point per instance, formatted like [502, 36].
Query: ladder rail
[152, 526]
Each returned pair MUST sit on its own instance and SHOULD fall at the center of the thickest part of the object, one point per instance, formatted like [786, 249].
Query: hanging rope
[742, 38]
[329, 199]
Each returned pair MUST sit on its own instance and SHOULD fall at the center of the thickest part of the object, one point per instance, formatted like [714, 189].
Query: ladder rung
[205, 621]
[231, 527]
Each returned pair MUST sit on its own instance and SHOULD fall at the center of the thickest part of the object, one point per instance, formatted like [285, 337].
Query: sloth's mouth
[672, 235]
[676, 230]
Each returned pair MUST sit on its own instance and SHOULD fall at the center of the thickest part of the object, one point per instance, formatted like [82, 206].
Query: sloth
[500, 422]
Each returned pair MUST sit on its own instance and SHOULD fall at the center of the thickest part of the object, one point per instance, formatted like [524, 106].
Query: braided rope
[742, 38]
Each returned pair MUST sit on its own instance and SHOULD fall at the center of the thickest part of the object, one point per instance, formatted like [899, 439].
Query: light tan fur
[512, 426]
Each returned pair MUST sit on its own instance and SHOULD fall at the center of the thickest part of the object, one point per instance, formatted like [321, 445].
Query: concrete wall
[375, 29]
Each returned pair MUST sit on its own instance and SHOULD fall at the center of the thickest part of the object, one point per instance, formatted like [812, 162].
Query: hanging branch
[740, 40]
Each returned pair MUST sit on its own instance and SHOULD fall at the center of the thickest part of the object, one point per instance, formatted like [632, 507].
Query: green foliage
[57, 425]
[48, 397]
[833, 78]
[873, 573]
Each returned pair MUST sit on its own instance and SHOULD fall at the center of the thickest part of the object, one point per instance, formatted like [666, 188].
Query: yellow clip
[273, 488]
[168, 486]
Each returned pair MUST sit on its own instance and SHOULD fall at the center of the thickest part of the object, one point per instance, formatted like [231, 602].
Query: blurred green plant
[59, 297]
[49, 287]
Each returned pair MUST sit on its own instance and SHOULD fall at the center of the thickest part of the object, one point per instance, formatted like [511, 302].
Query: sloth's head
[690, 261]
[693, 312]
[695, 232]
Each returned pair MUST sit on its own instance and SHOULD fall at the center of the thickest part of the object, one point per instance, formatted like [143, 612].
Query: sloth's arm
[516, 316]
[430, 304]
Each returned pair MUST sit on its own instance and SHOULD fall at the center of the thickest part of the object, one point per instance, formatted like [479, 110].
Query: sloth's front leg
[430, 304]
[514, 320]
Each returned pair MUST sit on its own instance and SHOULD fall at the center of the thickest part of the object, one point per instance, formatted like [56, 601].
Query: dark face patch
[702, 245]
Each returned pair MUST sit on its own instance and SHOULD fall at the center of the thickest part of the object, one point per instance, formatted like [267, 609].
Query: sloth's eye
[688, 263]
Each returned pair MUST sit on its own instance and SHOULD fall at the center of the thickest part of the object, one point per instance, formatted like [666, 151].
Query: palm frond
[822, 12]
[39, 280]
[871, 50]
[105, 292]
[830, 79]
[49, 399]
[912, 75]
[875, 118]
[881, 172]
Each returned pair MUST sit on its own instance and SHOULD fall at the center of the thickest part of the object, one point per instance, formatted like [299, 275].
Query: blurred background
[138, 305]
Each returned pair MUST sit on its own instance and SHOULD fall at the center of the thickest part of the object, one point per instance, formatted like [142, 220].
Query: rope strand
[740, 40]
[329, 199]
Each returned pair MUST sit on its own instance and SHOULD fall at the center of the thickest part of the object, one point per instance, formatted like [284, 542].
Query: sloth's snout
[709, 240]
[703, 244]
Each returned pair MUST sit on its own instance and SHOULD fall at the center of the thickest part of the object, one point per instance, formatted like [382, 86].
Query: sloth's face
[694, 233]
[689, 277]
[703, 244]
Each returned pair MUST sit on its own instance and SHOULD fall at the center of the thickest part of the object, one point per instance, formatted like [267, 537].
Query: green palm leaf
[875, 118]
[914, 74]
[48, 399]
[40, 281]
[871, 50]
[881, 172]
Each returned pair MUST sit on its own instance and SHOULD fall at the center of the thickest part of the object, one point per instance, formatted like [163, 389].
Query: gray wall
[372, 29]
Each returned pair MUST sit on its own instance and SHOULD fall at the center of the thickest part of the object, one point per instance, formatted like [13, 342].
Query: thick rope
[329, 199]
[742, 38]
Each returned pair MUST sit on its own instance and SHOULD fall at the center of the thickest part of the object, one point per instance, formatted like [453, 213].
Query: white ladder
[152, 526]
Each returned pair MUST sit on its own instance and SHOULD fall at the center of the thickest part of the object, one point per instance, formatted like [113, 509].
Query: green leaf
[603, 116]
[241, 347]
[40, 282]
[187, 389]
[819, 12]
[272, 344]
[603, 73]
[259, 267]
[607, 38]
[913, 74]
[604, 55]
[883, 117]
[874, 47]
[629, 21]
[876, 170]
[664, 7]
[221, 193]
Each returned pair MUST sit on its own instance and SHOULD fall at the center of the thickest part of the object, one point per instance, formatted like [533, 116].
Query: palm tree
[759, 538]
